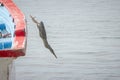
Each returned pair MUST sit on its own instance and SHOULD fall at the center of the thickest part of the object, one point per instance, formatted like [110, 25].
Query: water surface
[85, 35]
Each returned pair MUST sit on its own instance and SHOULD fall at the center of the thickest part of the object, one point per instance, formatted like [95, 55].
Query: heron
[42, 34]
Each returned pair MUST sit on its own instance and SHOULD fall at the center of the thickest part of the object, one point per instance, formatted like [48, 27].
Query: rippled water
[85, 35]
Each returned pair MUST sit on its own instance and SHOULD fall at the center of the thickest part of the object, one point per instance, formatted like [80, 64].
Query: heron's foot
[32, 16]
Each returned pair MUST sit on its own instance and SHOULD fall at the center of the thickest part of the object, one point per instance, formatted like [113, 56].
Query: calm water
[85, 35]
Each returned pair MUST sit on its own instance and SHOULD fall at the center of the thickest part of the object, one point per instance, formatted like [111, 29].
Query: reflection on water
[84, 34]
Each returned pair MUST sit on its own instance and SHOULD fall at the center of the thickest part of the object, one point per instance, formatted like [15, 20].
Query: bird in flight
[42, 34]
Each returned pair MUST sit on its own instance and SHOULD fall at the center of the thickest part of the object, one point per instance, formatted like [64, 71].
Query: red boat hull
[20, 39]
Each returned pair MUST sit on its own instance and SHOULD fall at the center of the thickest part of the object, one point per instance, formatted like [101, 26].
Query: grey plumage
[42, 34]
